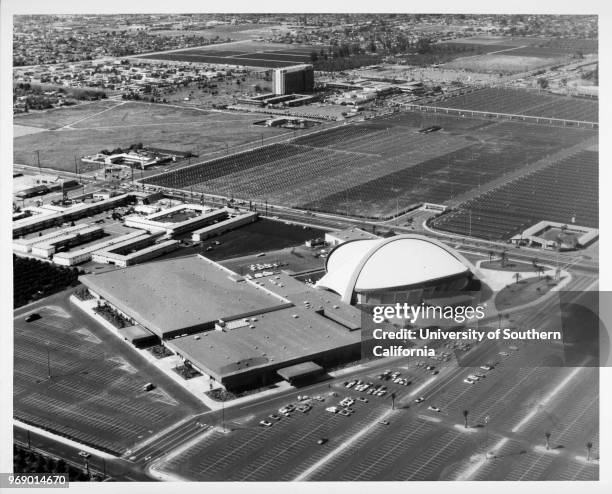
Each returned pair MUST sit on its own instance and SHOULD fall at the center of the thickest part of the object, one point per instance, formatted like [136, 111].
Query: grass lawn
[523, 292]
[509, 266]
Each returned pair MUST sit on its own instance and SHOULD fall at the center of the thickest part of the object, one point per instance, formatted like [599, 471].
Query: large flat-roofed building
[25, 245]
[77, 256]
[405, 268]
[181, 296]
[177, 219]
[294, 79]
[252, 353]
[49, 216]
[239, 331]
[47, 248]
[140, 253]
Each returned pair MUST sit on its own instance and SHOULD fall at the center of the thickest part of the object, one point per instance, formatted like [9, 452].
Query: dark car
[33, 317]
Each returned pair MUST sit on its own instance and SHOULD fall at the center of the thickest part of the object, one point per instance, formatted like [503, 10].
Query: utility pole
[223, 410]
[38, 159]
[48, 363]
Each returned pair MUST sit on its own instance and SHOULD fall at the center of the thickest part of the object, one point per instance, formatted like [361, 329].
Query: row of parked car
[304, 405]
[368, 388]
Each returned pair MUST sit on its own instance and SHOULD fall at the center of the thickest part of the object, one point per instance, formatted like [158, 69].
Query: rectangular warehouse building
[294, 79]
[238, 331]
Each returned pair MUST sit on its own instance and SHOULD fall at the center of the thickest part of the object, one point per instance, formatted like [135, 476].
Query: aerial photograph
[265, 247]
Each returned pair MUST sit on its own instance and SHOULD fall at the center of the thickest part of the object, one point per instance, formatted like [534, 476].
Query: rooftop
[273, 338]
[181, 294]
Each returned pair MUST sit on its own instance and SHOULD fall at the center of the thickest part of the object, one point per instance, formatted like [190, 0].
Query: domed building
[405, 268]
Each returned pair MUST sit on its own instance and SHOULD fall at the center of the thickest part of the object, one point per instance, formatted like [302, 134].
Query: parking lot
[356, 434]
[74, 378]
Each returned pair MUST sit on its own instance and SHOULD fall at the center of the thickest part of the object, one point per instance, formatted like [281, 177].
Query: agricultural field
[373, 169]
[522, 102]
[565, 190]
[126, 123]
[247, 53]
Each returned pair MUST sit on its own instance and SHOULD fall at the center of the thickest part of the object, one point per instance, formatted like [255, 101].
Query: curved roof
[378, 264]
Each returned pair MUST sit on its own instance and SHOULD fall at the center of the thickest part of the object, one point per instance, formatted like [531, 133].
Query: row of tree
[34, 279]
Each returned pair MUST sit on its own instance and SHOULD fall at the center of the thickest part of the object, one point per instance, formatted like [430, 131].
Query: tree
[542, 82]
[589, 446]
[465, 418]
[503, 257]
[547, 438]
[517, 277]
[392, 401]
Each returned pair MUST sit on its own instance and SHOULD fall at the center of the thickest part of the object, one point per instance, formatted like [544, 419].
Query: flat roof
[274, 338]
[182, 293]
[299, 370]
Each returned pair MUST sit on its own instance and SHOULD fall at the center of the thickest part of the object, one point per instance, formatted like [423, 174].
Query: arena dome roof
[388, 263]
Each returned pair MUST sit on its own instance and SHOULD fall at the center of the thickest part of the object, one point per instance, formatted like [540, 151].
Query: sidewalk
[64, 440]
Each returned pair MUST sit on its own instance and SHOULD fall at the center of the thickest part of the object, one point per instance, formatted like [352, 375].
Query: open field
[552, 46]
[373, 168]
[236, 32]
[94, 394]
[506, 63]
[522, 102]
[155, 125]
[56, 118]
[248, 53]
[565, 190]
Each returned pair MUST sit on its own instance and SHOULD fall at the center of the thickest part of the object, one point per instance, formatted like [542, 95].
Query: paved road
[117, 469]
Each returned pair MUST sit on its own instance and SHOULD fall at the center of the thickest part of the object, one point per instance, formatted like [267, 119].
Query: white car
[474, 377]
[332, 409]
[433, 408]
[265, 423]
[419, 399]
[486, 367]
[467, 380]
